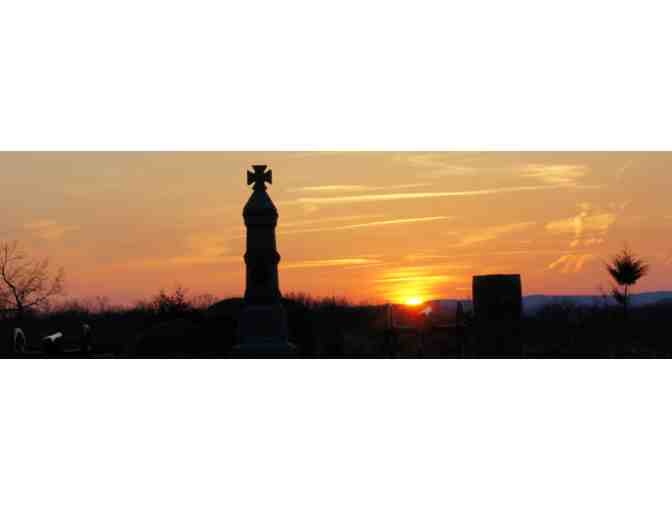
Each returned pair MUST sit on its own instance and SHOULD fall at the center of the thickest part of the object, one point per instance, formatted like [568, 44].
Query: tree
[203, 301]
[626, 269]
[171, 305]
[26, 283]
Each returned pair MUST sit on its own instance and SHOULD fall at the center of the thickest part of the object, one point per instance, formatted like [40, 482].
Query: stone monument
[497, 297]
[262, 327]
[497, 303]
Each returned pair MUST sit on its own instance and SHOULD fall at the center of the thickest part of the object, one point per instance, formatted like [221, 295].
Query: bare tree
[171, 304]
[5, 302]
[26, 283]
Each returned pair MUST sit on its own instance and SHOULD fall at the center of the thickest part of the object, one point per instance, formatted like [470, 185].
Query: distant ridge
[535, 302]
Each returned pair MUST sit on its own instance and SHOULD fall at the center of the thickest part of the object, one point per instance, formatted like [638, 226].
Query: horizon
[365, 226]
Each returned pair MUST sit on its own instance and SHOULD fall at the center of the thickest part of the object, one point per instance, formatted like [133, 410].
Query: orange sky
[370, 226]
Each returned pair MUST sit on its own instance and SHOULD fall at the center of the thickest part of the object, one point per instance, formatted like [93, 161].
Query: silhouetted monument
[263, 321]
[498, 305]
[497, 297]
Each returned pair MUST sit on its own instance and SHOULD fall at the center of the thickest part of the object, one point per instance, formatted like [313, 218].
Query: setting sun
[414, 301]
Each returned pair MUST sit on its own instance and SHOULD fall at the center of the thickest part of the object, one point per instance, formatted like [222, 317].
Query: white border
[348, 75]
[263, 75]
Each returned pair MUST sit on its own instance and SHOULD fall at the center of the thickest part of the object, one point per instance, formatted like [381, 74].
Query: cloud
[367, 225]
[331, 188]
[589, 227]
[310, 208]
[186, 260]
[49, 230]
[571, 263]
[556, 174]
[410, 272]
[330, 220]
[591, 241]
[307, 264]
[437, 165]
[208, 245]
[490, 233]
[345, 188]
[194, 260]
[620, 173]
[426, 256]
[417, 279]
[409, 196]
[201, 249]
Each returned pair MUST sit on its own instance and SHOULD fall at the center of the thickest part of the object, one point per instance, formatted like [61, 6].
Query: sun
[414, 301]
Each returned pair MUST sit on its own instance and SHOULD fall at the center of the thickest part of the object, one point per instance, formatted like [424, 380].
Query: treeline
[174, 324]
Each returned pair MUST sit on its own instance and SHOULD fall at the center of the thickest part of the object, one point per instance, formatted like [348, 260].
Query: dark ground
[333, 329]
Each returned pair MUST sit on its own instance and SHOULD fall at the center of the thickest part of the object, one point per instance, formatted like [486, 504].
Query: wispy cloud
[571, 263]
[490, 233]
[184, 260]
[426, 256]
[438, 165]
[417, 279]
[307, 264]
[410, 196]
[556, 174]
[333, 219]
[353, 188]
[410, 272]
[330, 188]
[588, 227]
[200, 249]
[49, 230]
[620, 173]
[485, 253]
[367, 225]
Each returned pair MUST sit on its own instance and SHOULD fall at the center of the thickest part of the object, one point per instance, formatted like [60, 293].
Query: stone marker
[497, 297]
[497, 309]
[263, 321]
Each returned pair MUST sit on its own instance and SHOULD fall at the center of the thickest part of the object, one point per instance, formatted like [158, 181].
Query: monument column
[263, 322]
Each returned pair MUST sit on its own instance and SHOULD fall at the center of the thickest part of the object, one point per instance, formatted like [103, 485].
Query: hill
[535, 302]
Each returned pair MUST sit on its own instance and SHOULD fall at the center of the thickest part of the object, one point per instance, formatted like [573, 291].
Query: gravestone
[262, 328]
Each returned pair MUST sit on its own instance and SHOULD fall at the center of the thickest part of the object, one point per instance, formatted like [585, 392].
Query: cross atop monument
[259, 177]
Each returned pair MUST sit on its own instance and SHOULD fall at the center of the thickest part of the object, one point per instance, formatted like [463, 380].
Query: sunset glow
[367, 226]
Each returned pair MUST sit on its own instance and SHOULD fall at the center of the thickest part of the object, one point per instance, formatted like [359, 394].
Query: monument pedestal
[262, 330]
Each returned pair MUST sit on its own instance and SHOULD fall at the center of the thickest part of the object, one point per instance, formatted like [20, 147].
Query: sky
[368, 226]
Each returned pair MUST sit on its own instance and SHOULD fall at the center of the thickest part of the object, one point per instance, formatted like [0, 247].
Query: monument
[497, 297]
[497, 303]
[262, 328]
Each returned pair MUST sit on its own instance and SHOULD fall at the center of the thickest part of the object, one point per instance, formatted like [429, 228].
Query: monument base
[263, 331]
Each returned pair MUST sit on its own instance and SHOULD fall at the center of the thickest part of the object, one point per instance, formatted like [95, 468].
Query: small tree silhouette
[171, 305]
[626, 269]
